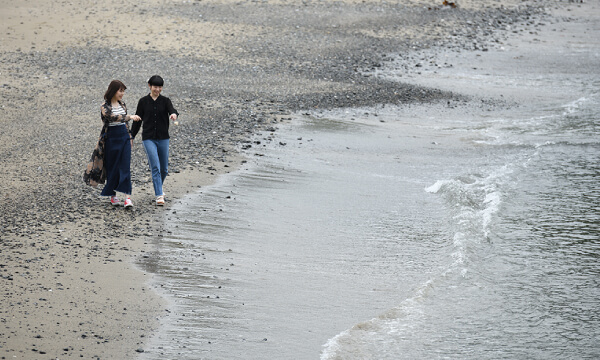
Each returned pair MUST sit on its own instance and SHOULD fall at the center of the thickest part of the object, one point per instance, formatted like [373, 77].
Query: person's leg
[162, 147]
[110, 156]
[154, 163]
[124, 165]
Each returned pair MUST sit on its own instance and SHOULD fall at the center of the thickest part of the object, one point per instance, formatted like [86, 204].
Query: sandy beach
[233, 69]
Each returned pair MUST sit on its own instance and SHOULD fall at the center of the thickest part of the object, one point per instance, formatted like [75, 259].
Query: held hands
[135, 118]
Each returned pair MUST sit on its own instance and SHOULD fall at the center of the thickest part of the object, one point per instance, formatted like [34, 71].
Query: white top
[117, 110]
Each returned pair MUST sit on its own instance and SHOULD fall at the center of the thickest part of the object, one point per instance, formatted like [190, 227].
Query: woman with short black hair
[155, 111]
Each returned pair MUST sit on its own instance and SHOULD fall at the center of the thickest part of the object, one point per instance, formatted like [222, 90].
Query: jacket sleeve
[171, 108]
[135, 128]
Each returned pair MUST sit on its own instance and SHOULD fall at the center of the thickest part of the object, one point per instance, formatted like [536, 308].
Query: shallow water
[381, 240]
[397, 233]
[522, 281]
[289, 243]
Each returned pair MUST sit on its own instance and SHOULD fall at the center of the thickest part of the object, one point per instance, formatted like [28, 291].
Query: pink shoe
[115, 201]
[128, 203]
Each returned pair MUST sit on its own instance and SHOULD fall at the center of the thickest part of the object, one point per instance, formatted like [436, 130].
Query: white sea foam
[574, 106]
[437, 186]
[367, 334]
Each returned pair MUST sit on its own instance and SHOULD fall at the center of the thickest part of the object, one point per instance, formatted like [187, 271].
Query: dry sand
[69, 285]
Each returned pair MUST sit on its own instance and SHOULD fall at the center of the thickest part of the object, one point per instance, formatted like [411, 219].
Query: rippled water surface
[379, 240]
[396, 233]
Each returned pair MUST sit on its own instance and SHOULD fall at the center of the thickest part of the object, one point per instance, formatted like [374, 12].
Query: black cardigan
[155, 117]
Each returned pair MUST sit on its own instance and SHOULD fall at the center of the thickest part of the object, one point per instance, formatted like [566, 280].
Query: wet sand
[69, 286]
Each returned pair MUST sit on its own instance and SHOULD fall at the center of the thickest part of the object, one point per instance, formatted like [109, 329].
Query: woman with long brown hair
[117, 153]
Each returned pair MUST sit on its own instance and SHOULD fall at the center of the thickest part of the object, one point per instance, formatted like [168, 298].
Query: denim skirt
[117, 160]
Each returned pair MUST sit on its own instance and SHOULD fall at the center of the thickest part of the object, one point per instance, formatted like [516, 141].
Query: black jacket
[155, 117]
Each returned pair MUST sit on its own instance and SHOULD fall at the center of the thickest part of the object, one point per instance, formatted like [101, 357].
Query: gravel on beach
[233, 69]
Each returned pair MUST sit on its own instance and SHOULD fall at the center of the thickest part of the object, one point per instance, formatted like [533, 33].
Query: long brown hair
[113, 87]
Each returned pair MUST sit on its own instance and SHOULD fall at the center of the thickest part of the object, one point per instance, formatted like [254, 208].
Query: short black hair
[156, 80]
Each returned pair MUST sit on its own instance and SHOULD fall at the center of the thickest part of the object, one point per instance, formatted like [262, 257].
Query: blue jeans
[158, 159]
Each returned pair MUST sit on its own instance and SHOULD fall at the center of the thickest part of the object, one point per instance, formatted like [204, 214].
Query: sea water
[413, 232]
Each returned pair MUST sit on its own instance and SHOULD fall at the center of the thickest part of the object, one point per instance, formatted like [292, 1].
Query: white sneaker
[160, 200]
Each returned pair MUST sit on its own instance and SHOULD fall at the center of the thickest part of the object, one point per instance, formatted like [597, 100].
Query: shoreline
[64, 267]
